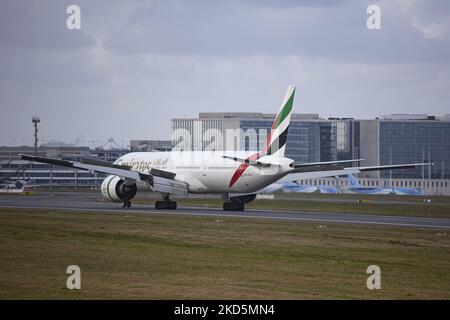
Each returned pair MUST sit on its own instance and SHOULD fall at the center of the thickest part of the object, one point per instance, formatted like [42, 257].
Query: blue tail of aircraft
[354, 183]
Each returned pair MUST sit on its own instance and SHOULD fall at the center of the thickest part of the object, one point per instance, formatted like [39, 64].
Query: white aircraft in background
[237, 176]
[16, 186]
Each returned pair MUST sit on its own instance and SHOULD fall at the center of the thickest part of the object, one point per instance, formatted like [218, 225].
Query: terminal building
[47, 175]
[403, 138]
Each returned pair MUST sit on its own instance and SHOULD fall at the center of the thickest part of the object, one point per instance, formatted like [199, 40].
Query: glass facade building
[412, 142]
[308, 141]
[347, 135]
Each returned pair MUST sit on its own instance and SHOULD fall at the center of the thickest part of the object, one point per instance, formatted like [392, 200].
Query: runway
[81, 201]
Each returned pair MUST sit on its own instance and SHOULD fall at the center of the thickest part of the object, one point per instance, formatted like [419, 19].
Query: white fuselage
[208, 171]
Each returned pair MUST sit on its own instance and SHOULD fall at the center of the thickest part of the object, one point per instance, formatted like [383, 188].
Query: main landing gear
[166, 204]
[233, 206]
[237, 203]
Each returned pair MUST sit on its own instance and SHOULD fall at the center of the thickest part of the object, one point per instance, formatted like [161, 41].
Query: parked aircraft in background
[356, 187]
[17, 186]
[295, 187]
[408, 191]
[310, 189]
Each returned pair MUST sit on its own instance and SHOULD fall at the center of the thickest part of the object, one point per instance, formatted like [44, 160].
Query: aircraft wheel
[166, 205]
[233, 206]
[126, 204]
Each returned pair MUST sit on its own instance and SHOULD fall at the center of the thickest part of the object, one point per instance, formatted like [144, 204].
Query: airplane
[295, 187]
[299, 188]
[356, 187]
[17, 186]
[8, 182]
[408, 191]
[236, 175]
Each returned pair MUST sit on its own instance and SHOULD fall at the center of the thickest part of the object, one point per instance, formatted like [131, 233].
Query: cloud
[135, 65]
[433, 30]
[39, 25]
[430, 18]
[231, 28]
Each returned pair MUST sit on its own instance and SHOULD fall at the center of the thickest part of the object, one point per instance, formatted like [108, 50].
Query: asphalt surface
[81, 201]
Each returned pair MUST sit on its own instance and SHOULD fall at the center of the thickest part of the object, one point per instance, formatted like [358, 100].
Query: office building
[398, 139]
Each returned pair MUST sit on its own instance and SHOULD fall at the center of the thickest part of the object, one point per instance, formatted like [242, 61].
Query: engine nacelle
[115, 189]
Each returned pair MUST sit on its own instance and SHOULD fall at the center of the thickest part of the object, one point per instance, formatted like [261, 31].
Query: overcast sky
[134, 65]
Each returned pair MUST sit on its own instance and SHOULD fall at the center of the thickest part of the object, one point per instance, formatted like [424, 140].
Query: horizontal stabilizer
[249, 161]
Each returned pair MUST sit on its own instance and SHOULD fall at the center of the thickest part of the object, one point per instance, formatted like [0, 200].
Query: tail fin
[276, 139]
[354, 183]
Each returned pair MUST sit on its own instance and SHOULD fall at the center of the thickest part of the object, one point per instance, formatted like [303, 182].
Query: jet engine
[116, 189]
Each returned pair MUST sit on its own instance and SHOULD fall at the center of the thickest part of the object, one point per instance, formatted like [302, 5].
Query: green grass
[173, 257]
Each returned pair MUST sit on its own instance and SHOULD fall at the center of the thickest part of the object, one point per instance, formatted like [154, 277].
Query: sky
[135, 65]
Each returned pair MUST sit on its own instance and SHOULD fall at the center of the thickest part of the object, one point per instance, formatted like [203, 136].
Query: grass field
[173, 257]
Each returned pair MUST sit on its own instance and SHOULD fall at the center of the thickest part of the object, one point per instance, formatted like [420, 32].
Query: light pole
[35, 122]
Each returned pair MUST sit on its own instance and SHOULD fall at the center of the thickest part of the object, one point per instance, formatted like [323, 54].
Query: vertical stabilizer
[354, 183]
[276, 139]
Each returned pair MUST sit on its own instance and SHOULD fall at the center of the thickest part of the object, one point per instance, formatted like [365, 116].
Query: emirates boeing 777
[237, 175]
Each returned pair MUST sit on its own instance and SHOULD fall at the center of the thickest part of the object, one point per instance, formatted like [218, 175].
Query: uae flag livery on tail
[276, 139]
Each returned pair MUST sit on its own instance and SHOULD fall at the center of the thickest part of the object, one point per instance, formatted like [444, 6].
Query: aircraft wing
[296, 175]
[108, 168]
[393, 166]
[161, 181]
